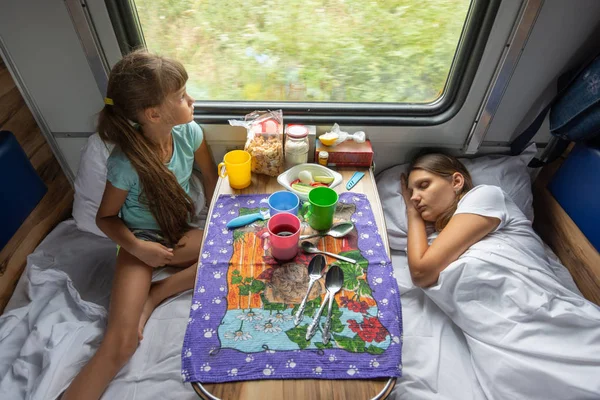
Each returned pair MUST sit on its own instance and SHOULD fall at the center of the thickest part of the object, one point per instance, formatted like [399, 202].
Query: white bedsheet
[436, 363]
[45, 341]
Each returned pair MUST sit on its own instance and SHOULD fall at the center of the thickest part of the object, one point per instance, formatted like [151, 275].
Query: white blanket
[56, 318]
[441, 361]
[436, 362]
[530, 335]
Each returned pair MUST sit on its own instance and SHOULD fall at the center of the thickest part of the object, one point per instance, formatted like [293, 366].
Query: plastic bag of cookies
[264, 141]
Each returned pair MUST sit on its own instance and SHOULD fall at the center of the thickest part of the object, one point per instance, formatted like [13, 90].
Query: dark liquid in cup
[284, 230]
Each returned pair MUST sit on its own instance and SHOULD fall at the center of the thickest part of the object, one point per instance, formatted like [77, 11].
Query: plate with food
[302, 178]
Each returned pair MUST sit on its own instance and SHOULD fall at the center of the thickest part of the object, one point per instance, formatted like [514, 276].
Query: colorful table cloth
[241, 318]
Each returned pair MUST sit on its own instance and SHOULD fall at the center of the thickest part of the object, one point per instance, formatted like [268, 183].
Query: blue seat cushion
[576, 187]
[21, 189]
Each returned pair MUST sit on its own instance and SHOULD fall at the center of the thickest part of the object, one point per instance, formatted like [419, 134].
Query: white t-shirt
[514, 237]
[491, 201]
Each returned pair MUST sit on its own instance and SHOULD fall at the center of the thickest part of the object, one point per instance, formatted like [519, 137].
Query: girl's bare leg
[188, 249]
[165, 288]
[129, 293]
[185, 255]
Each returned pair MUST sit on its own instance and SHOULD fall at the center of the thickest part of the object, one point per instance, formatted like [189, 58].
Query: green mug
[319, 209]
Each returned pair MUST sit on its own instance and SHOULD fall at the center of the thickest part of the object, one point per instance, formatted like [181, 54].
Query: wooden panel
[291, 389]
[56, 204]
[10, 104]
[561, 233]
[6, 82]
[22, 126]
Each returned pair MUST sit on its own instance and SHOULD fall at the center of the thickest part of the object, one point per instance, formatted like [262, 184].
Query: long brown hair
[139, 81]
[444, 166]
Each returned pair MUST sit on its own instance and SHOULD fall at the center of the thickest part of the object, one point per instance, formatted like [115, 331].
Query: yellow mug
[237, 165]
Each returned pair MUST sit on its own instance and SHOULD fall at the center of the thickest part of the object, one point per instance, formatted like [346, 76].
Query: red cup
[284, 233]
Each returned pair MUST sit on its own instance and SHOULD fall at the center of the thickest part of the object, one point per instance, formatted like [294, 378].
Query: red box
[347, 154]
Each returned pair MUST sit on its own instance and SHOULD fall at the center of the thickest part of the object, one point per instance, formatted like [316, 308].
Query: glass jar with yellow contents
[323, 158]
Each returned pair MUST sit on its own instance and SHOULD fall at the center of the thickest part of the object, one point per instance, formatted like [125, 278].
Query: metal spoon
[329, 282]
[336, 231]
[311, 248]
[315, 270]
[333, 283]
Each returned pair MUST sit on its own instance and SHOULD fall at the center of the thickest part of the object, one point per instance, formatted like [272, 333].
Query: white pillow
[508, 172]
[89, 184]
[91, 180]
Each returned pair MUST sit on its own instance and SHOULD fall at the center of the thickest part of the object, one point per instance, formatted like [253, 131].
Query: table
[302, 388]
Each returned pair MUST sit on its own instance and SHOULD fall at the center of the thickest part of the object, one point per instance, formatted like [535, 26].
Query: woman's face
[432, 194]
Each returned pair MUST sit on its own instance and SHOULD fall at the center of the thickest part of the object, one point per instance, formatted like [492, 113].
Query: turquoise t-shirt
[187, 139]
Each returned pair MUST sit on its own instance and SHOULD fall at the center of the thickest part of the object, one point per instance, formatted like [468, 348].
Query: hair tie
[108, 101]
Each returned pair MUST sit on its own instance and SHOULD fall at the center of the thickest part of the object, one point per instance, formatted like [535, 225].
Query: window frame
[474, 36]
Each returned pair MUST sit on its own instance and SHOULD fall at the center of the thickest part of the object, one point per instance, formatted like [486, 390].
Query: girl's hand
[406, 193]
[153, 254]
[411, 210]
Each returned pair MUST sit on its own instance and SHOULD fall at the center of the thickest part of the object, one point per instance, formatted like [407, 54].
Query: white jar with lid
[296, 145]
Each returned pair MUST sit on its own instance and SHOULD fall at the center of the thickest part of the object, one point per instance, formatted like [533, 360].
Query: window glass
[396, 51]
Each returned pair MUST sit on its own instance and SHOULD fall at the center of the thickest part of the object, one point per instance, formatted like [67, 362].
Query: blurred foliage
[393, 51]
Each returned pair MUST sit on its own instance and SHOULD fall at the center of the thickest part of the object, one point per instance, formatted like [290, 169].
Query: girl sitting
[146, 208]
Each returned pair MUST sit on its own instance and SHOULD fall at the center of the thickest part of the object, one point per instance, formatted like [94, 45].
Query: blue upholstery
[21, 189]
[576, 186]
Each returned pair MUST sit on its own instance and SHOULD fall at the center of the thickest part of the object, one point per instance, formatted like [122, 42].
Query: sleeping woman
[530, 335]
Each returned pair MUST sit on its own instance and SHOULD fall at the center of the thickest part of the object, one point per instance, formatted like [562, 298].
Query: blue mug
[283, 201]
